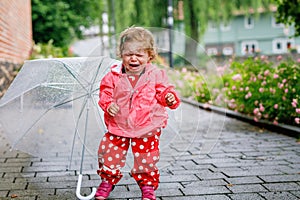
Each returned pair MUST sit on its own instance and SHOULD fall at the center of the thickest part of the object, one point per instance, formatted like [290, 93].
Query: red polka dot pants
[112, 157]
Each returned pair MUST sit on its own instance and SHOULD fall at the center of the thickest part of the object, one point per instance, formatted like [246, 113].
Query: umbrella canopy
[52, 106]
[49, 104]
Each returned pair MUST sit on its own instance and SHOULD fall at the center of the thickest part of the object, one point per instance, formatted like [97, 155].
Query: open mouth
[134, 65]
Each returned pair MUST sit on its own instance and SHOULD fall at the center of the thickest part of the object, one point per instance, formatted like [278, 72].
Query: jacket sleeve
[163, 87]
[106, 91]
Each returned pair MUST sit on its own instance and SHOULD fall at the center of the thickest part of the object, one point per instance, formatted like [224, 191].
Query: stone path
[212, 157]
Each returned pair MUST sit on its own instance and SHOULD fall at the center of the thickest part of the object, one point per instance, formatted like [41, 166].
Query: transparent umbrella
[52, 106]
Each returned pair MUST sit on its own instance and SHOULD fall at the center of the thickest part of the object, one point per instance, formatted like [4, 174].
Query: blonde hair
[137, 34]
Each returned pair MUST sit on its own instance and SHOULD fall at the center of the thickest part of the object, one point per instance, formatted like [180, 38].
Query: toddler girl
[133, 96]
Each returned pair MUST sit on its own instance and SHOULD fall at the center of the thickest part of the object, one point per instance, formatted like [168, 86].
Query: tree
[126, 13]
[61, 21]
[197, 15]
[288, 13]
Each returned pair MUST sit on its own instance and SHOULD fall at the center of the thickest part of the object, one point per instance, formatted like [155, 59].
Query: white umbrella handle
[79, 196]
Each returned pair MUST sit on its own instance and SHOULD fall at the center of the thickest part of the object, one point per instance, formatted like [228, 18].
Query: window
[282, 45]
[225, 26]
[212, 27]
[249, 22]
[275, 24]
[227, 51]
[249, 47]
[212, 51]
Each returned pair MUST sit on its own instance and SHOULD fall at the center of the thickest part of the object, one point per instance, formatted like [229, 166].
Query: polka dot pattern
[112, 154]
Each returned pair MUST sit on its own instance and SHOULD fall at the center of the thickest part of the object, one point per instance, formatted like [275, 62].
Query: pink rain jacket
[142, 108]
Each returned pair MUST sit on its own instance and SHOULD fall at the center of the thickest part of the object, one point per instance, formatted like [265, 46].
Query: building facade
[250, 35]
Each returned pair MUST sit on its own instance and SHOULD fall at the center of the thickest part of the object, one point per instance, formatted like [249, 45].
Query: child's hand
[170, 99]
[113, 109]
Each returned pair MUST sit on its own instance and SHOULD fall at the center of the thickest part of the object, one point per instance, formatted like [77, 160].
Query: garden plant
[255, 87]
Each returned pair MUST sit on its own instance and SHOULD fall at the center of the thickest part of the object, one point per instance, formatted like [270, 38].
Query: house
[246, 35]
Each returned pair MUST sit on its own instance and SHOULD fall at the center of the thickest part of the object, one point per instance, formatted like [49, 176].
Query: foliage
[61, 21]
[126, 13]
[48, 50]
[288, 13]
[255, 87]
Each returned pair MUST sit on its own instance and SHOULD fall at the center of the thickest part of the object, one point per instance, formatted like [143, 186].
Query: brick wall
[15, 38]
[15, 30]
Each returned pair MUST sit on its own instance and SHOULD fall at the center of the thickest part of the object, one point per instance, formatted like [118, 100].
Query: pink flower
[264, 83]
[279, 58]
[298, 110]
[297, 120]
[276, 106]
[294, 103]
[184, 70]
[284, 80]
[255, 111]
[280, 85]
[261, 108]
[248, 95]
[275, 76]
[267, 72]
[247, 88]
[261, 90]
[286, 90]
[233, 87]
[237, 77]
[255, 119]
[275, 122]
[298, 60]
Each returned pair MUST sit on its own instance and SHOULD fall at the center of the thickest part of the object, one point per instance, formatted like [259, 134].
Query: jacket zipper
[133, 88]
[130, 99]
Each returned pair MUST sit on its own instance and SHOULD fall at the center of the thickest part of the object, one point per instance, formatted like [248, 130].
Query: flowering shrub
[257, 88]
[254, 87]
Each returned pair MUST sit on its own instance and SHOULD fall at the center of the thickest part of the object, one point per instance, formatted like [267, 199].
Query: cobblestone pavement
[214, 157]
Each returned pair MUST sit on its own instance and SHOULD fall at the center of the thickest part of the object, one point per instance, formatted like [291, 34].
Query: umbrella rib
[88, 95]
[65, 102]
[76, 130]
[72, 74]
[95, 103]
